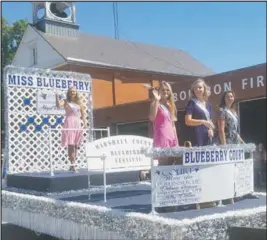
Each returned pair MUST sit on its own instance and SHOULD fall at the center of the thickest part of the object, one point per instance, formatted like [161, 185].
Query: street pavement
[12, 232]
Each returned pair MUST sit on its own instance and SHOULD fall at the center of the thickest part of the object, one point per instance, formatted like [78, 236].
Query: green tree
[11, 37]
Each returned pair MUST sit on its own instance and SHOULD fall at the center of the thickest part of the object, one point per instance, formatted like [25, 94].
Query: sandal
[72, 169]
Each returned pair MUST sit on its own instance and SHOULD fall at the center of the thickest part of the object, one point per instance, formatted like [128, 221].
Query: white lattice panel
[27, 132]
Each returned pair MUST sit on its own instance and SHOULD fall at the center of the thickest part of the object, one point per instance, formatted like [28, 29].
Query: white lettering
[217, 89]
[227, 86]
[244, 83]
[251, 82]
[175, 97]
[260, 81]
[182, 95]
[208, 91]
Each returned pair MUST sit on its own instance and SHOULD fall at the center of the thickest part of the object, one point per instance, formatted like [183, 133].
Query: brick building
[119, 68]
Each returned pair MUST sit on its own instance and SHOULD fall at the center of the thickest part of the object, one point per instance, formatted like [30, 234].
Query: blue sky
[222, 35]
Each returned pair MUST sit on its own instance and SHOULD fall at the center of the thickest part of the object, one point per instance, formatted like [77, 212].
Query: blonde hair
[170, 100]
[77, 99]
[206, 92]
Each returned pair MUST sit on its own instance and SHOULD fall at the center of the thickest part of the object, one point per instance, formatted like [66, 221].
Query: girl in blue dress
[199, 118]
[199, 115]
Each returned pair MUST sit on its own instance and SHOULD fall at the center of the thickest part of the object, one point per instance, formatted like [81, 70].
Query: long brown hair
[223, 103]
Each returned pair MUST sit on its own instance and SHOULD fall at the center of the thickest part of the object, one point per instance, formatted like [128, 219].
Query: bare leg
[75, 154]
[71, 153]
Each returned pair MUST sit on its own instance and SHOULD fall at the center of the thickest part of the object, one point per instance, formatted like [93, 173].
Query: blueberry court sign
[214, 156]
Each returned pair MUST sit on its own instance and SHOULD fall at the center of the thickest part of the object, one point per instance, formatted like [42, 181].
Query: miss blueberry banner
[45, 82]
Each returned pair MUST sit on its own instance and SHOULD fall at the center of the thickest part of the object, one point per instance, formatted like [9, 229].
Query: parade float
[104, 199]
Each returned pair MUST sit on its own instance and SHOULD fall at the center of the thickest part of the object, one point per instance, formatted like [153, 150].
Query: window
[100, 134]
[137, 128]
[252, 113]
[183, 131]
[34, 56]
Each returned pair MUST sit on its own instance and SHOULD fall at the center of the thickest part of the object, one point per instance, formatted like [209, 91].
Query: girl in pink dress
[163, 115]
[74, 113]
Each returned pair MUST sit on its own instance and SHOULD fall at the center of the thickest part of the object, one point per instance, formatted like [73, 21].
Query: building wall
[129, 88]
[247, 83]
[102, 84]
[113, 87]
[119, 96]
[45, 54]
[132, 112]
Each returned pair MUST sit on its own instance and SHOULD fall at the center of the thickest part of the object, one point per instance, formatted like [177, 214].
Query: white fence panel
[26, 133]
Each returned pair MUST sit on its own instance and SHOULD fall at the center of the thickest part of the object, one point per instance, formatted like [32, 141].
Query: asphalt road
[12, 232]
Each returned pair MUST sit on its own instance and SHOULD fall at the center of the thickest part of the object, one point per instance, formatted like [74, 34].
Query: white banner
[33, 81]
[46, 103]
[179, 185]
[123, 151]
[194, 157]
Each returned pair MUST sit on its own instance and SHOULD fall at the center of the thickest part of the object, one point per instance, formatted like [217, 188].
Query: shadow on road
[12, 232]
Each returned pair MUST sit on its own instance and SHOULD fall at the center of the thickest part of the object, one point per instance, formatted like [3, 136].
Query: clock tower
[56, 18]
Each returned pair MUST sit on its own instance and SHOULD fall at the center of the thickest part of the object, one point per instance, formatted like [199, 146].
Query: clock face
[40, 12]
[60, 10]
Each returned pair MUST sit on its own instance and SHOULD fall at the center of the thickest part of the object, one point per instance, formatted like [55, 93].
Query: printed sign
[179, 185]
[46, 103]
[216, 156]
[244, 180]
[123, 151]
[43, 82]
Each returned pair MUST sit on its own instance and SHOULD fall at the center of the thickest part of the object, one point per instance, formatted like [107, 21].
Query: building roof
[109, 52]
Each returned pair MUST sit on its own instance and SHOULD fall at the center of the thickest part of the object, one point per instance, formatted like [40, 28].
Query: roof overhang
[84, 62]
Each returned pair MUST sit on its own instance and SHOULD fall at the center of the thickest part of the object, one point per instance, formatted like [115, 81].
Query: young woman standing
[75, 117]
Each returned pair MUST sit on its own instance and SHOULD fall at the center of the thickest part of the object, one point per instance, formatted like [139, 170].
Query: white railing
[121, 153]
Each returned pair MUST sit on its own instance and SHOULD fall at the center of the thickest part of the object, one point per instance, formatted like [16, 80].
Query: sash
[234, 117]
[165, 109]
[75, 108]
[204, 109]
